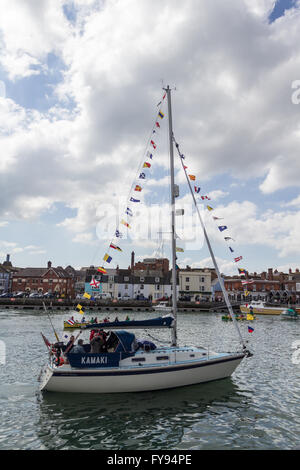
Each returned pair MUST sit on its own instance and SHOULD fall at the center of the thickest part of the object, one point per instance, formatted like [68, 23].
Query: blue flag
[222, 227]
[134, 200]
[129, 212]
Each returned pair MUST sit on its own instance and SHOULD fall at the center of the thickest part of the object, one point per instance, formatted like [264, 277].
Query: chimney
[297, 270]
[290, 271]
[7, 258]
[49, 264]
[270, 274]
[132, 259]
[264, 275]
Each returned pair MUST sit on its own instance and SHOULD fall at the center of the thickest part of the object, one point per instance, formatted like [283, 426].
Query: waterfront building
[79, 279]
[270, 286]
[44, 280]
[106, 283]
[195, 284]
[6, 274]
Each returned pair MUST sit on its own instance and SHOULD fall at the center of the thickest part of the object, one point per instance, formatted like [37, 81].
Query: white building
[195, 283]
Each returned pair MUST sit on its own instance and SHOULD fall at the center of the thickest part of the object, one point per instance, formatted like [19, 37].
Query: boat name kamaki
[94, 360]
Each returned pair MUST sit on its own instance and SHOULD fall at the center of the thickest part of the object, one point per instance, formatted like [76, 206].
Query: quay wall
[106, 306]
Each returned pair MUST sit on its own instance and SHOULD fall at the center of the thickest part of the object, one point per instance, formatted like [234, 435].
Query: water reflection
[150, 420]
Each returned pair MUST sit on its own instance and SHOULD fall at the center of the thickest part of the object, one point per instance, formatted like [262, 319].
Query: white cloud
[232, 109]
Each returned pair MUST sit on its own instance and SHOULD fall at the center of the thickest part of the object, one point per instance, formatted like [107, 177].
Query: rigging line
[221, 281]
[138, 170]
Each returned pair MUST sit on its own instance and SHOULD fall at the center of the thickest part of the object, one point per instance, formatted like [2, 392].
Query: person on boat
[92, 334]
[98, 343]
[116, 319]
[78, 349]
[127, 318]
[70, 343]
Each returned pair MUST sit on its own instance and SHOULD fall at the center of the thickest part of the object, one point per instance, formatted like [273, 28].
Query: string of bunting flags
[221, 228]
[134, 200]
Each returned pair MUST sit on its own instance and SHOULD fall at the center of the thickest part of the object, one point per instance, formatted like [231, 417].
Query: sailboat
[128, 366]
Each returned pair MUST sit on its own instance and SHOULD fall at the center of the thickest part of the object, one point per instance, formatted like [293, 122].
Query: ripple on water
[256, 409]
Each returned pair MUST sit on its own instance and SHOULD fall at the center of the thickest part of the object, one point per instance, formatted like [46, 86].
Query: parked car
[185, 298]
[140, 297]
[104, 296]
[33, 295]
[48, 295]
[20, 294]
[5, 295]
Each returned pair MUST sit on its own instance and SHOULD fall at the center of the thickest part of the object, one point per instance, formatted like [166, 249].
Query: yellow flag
[209, 208]
[86, 295]
[81, 311]
[79, 307]
[249, 317]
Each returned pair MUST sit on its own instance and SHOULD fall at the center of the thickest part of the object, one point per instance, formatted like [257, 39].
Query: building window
[187, 279]
[142, 286]
[187, 287]
[157, 279]
[126, 278]
[111, 278]
[126, 286]
[142, 279]
[157, 287]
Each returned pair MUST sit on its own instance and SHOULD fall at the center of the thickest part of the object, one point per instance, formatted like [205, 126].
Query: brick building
[42, 280]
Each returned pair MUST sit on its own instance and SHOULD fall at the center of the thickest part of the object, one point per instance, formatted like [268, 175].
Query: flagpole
[174, 286]
[57, 338]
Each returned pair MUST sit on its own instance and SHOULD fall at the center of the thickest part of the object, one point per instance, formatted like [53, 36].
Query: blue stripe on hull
[144, 370]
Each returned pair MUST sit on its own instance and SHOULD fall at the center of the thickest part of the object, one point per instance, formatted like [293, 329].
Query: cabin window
[138, 359]
[162, 358]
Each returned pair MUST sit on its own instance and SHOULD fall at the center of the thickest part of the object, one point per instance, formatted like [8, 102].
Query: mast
[173, 233]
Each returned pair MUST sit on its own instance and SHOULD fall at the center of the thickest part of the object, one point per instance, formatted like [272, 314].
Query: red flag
[47, 343]
[157, 124]
[153, 144]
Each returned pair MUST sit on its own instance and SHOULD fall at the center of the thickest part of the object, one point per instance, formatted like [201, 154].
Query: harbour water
[257, 408]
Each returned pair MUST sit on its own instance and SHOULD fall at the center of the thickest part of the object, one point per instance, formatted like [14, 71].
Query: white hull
[138, 379]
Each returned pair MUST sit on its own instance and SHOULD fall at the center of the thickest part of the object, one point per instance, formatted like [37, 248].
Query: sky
[80, 83]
